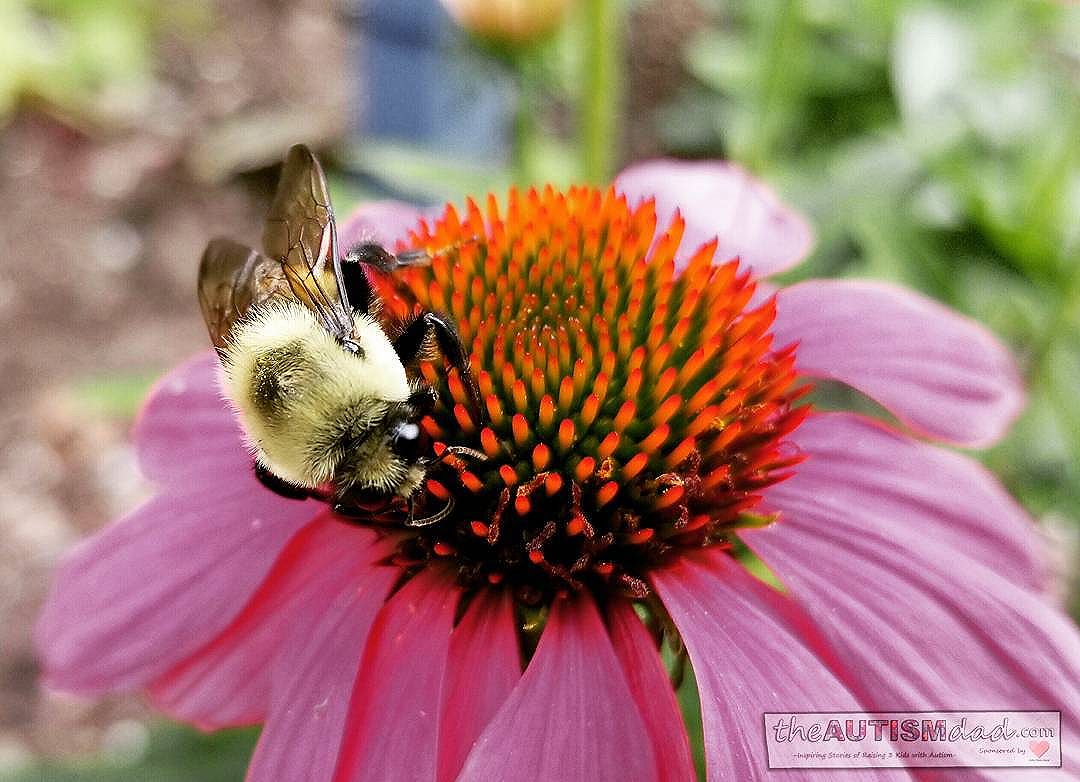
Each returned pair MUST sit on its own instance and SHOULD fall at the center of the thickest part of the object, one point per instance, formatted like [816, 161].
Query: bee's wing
[232, 279]
[300, 233]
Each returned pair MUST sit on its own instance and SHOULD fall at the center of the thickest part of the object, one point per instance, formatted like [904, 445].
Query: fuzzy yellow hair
[308, 406]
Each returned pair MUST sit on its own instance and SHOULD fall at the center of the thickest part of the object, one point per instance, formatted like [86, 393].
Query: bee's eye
[352, 347]
[406, 440]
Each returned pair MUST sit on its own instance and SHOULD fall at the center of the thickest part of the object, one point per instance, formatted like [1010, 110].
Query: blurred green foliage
[174, 754]
[112, 396]
[935, 144]
[87, 61]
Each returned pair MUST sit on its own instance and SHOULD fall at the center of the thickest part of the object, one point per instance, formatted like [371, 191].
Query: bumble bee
[321, 390]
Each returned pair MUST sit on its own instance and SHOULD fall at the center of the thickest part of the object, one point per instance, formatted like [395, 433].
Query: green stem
[1043, 207]
[601, 89]
[1059, 325]
[778, 74]
[526, 128]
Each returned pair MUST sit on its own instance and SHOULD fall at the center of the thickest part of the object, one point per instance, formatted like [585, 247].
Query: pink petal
[920, 623]
[146, 592]
[748, 659]
[392, 726]
[186, 431]
[484, 666]
[652, 691]
[384, 222]
[314, 681]
[227, 682]
[942, 374]
[912, 489]
[571, 717]
[719, 199]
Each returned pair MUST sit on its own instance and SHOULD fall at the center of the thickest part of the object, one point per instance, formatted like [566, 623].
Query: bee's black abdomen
[280, 487]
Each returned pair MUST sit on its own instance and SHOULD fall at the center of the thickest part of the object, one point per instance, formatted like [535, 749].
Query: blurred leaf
[690, 705]
[429, 176]
[90, 61]
[115, 396]
[1040, 460]
[175, 754]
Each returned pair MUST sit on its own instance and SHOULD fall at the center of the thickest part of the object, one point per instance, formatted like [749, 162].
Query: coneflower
[643, 432]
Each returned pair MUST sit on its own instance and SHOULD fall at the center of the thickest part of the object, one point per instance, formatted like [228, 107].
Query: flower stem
[526, 127]
[1059, 326]
[601, 88]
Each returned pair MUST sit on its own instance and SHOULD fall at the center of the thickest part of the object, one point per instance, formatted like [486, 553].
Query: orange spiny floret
[566, 395]
[495, 410]
[471, 481]
[585, 468]
[546, 413]
[625, 415]
[490, 443]
[726, 436]
[508, 475]
[680, 452]
[565, 437]
[461, 415]
[659, 358]
[608, 445]
[667, 409]
[704, 421]
[704, 395]
[636, 464]
[669, 497]
[656, 438]
[664, 383]
[606, 493]
[520, 427]
[539, 382]
[520, 398]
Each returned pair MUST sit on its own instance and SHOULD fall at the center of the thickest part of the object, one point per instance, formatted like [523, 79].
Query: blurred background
[932, 143]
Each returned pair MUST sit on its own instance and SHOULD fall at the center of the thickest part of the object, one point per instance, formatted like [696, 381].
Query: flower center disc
[631, 410]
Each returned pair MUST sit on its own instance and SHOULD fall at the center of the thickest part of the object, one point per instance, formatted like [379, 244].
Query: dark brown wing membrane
[300, 233]
[232, 279]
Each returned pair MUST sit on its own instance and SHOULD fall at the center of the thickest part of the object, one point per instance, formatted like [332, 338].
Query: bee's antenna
[413, 258]
[419, 257]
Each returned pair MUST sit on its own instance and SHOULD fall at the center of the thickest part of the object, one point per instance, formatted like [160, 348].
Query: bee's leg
[361, 504]
[438, 516]
[423, 399]
[280, 487]
[357, 285]
[411, 341]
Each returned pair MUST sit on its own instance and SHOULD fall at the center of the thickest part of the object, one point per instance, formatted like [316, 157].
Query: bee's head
[382, 450]
[409, 441]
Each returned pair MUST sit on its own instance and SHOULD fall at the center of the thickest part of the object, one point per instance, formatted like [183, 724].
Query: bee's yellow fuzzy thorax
[299, 395]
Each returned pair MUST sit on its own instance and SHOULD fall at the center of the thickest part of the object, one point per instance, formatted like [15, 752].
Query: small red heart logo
[1039, 747]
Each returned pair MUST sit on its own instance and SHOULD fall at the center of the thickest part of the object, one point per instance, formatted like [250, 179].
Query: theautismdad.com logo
[913, 739]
